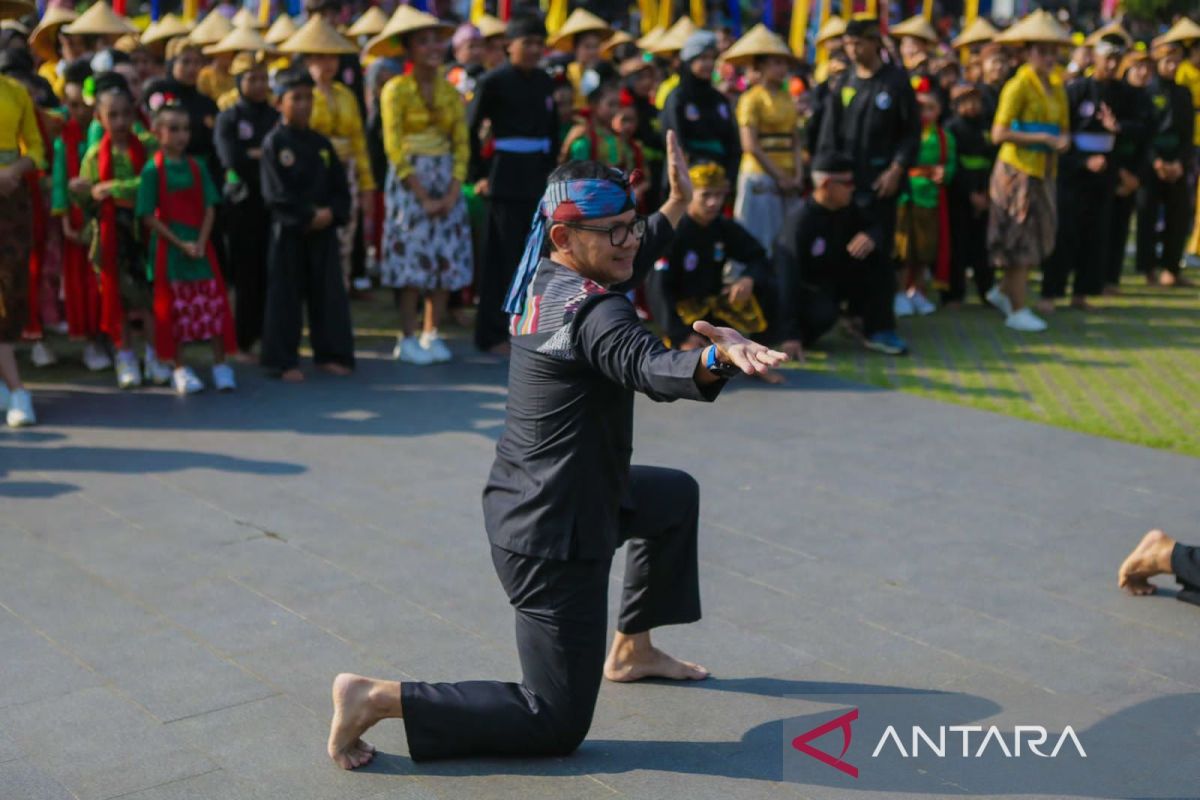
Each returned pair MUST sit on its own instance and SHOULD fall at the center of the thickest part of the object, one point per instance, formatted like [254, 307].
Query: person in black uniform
[518, 99]
[698, 113]
[306, 192]
[714, 268]
[239, 140]
[829, 254]
[562, 495]
[1103, 109]
[969, 193]
[1164, 189]
[873, 119]
[1130, 157]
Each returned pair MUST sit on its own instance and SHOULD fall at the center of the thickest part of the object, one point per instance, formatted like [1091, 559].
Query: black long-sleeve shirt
[561, 473]
[300, 172]
[1085, 96]
[703, 120]
[872, 120]
[694, 267]
[520, 105]
[811, 252]
[240, 129]
[976, 155]
[1174, 121]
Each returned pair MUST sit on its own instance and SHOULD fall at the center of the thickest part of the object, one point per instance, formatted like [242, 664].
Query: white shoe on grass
[436, 347]
[408, 349]
[999, 300]
[41, 355]
[185, 381]
[128, 374]
[20, 410]
[94, 358]
[920, 303]
[902, 306]
[223, 378]
[1026, 321]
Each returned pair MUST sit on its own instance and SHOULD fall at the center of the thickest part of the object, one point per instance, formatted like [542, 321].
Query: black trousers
[866, 287]
[248, 238]
[1118, 237]
[1171, 201]
[968, 241]
[304, 273]
[508, 223]
[561, 626]
[1185, 563]
[1080, 245]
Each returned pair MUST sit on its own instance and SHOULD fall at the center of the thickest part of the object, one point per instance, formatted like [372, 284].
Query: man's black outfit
[1174, 124]
[560, 499]
[968, 225]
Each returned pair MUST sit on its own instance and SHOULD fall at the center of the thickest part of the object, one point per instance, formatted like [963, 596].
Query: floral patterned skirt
[198, 312]
[419, 251]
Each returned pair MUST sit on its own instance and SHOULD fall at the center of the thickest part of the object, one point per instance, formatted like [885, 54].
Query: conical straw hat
[318, 38]
[166, 28]
[100, 20]
[580, 21]
[613, 42]
[406, 20]
[1182, 31]
[239, 40]
[11, 9]
[490, 26]
[281, 30]
[15, 25]
[1111, 29]
[673, 40]
[650, 38]
[758, 41]
[915, 27]
[245, 19]
[127, 43]
[210, 30]
[832, 29]
[43, 37]
[977, 32]
[370, 23]
[1040, 27]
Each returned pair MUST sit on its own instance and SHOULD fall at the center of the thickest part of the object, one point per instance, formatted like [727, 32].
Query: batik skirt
[419, 251]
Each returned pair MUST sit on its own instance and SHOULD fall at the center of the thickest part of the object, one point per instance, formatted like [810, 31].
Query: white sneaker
[920, 303]
[1027, 321]
[902, 306]
[185, 381]
[999, 300]
[41, 355]
[155, 371]
[409, 349]
[436, 347]
[128, 375]
[94, 358]
[223, 380]
[20, 409]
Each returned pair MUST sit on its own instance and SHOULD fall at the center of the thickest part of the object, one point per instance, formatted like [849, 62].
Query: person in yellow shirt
[769, 180]
[21, 152]
[337, 116]
[1188, 76]
[1032, 125]
[215, 79]
[53, 47]
[427, 234]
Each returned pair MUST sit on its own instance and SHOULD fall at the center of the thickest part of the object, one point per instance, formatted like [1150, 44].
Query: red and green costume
[81, 289]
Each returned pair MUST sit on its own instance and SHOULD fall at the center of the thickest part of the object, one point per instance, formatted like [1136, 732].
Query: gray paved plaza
[181, 579]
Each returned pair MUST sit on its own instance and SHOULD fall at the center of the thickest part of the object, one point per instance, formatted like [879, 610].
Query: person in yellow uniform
[427, 239]
[336, 115]
[771, 168]
[21, 152]
[52, 47]
[581, 34]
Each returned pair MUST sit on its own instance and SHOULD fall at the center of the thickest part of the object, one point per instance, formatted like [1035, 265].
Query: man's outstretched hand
[750, 357]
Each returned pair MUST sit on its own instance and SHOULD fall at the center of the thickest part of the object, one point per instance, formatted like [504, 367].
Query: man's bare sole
[652, 664]
[353, 714]
[292, 375]
[333, 368]
[1151, 557]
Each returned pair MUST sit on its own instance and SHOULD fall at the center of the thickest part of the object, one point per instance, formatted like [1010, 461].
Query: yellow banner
[556, 16]
[649, 10]
[699, 13]
[665, 7]
[264, 12]
[190, 9]
[797, 38]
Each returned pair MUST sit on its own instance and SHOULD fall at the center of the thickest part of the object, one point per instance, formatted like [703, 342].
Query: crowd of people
[223, 181]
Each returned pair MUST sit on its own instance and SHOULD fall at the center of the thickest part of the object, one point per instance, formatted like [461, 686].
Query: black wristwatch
[717, 367]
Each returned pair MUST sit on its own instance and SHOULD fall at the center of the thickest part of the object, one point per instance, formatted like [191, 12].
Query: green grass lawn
[1129, 371]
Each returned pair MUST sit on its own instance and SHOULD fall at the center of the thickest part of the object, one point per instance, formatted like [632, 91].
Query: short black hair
[588, 171]
[77, 71]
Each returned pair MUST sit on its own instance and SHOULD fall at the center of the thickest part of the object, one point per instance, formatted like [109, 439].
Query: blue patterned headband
[565, 201]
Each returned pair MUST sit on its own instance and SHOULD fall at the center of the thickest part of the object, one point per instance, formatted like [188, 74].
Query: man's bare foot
[1044, 306]
[1166, 278]
[293, 375]
[334, 368]
[242, 357]
[633, 658]
[1151, 557]
[359, 703]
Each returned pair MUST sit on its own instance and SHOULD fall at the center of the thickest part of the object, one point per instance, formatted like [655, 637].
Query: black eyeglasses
[619, 233]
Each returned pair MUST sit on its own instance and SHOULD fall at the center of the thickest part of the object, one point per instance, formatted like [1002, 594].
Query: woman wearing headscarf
[698, 113]
[427, 236]
[239, 136]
